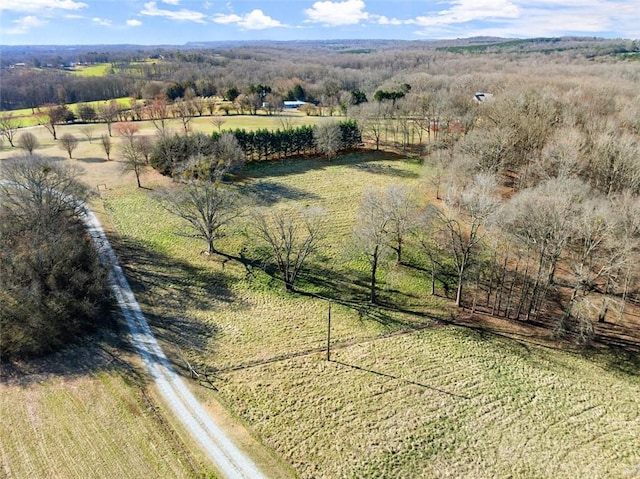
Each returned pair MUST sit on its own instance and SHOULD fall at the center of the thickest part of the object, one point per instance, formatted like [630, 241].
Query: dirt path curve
[229, 460]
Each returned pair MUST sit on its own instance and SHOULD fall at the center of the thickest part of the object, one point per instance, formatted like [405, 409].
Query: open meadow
[406, 393]
[85, 413]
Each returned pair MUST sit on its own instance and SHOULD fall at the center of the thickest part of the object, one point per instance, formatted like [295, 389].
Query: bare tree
[133, 160]
[594, 255]
[328, 138]
[477, 202]
[106, 145]
[54, 116]
[540, 219]
[144, 144]
[371, 234]
[207, 209]
[370, 117]
[226, 157]
[68, 143]
[28, 142]
[127, 130]
[218, 121]
[291, 236]
[9, 127]
[53, 286]
[88, 131]
[159, 113]
[400, 205]
[44, 184]
[613, 162]
[184, 110]
[109, 113]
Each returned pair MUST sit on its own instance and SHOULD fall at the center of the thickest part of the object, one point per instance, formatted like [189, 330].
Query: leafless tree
[133, 160]
[207, 209]
[594, 255]
[159, 113]
[144, 145]
[54, 116]
[28, 142]
[9, 127]
[370, 118]
[291, 237]
[53, 286]
[402, 210]
[109, 113]
[613, 162]
[68, 143]
[127, 130]
[328, 138]
[226, 158]
[218, 121]
[476, 204]
[105, 140]
[371, 234]
[88, 131]
[45, 185]
[540, 219]
[184, 111]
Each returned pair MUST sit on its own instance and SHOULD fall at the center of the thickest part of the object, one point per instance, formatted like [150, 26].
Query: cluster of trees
[54, 289]
[175, 155]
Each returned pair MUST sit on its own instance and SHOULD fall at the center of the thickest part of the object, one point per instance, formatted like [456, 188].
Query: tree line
[173, 155]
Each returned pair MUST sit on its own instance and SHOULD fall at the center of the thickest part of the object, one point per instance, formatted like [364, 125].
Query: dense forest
[532, 147]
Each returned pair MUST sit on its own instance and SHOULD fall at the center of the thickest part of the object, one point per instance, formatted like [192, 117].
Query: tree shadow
[383, 169]
[391, 376]
[171, 286]
[91, 160]
[106, 350]
[268, 193]
[301, 165]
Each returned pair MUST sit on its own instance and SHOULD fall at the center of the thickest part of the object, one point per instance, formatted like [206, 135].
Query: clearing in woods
[404, 394]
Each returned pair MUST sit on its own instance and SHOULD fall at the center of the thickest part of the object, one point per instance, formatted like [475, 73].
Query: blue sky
[38, 22]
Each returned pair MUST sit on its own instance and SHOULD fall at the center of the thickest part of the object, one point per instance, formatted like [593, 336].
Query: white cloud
[530, 18]
[171, 2]
[24, 25]
[134, 23]
[151, 9]
[256, 20]
[226, 19]
[382, 20]
[101, 21]
[463, 11]
[40, 5]
[348, 12]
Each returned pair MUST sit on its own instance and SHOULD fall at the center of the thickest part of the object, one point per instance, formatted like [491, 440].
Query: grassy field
[80, 415]
[99, 70]
[404, 395]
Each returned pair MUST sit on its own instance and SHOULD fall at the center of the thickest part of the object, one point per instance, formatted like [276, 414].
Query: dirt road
[229, 460]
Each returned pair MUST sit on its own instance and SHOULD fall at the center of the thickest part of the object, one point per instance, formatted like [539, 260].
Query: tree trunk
[374, 268]
[459, 290]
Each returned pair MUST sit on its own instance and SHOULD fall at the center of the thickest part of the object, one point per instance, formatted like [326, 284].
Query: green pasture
[404, 395]
[99, 70]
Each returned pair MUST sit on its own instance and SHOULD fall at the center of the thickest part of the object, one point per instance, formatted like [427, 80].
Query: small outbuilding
[294, 104]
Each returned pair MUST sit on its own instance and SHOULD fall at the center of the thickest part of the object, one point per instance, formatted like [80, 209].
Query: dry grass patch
[88, 424]
[443, 402]
[439, 402]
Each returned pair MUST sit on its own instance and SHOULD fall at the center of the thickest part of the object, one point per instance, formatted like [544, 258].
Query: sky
[176, 22]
